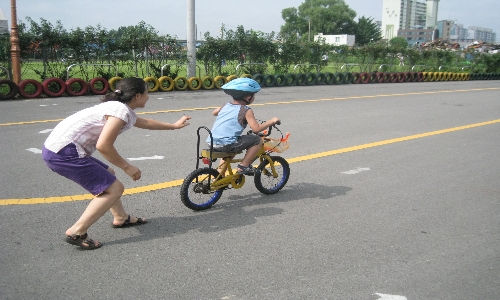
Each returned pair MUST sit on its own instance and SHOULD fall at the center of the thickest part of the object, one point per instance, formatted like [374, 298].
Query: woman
[68, 149]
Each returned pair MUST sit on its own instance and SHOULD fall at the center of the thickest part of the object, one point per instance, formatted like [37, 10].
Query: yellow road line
[178, 182]
[268, 103]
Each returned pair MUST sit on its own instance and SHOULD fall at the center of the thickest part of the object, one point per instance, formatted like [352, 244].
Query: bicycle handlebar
[268, 132]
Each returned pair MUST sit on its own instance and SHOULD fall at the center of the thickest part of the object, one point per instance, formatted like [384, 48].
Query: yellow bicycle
[204, 186]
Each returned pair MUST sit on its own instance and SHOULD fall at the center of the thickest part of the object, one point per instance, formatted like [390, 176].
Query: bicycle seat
[217, 154]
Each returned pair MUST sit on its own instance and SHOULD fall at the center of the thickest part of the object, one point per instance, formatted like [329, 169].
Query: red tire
[53, 87]
[387, 77]
[30, 88]
[356, 78]
[420, 76]
[76, 87]
[407, 76]
[365, 77]
[400, 77]
[98, 86]
[394, 77]
[11, 88]
[380, 77]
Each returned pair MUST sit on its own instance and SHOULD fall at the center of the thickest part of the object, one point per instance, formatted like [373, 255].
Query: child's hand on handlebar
[276, 121]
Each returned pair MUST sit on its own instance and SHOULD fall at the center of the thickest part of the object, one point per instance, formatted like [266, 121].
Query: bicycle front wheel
[195, 190]
[266, 182]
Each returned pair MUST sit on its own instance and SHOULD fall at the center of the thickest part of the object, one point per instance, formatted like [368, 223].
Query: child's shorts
[89, 172]
[244, 142]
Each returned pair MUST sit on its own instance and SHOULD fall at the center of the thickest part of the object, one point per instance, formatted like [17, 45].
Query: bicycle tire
[264, 180]
[197, 195]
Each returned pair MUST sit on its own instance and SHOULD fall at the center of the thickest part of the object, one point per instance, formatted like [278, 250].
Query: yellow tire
[181, 83]
[426, 76]
[207, 83]
[231, 77]
[112, 82]
[246, 76]
[152, 83]
[219, 81]
[194, 83]
[166, 83]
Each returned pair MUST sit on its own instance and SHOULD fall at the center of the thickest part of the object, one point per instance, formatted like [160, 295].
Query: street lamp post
[15, 50]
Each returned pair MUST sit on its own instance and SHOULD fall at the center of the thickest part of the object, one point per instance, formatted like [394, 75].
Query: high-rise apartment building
[407, 15]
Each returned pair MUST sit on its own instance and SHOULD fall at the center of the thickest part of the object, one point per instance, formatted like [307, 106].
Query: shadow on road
[231, 212]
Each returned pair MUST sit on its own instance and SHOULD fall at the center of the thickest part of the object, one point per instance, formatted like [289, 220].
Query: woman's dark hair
[126, 89]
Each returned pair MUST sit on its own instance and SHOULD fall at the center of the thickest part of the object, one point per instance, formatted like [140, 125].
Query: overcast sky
[169, 17]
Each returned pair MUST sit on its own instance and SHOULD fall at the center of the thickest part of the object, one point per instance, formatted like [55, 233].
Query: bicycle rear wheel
[195, 190]
[265, 182]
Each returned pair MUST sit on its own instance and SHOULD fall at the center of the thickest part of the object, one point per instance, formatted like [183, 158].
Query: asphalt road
[394, 194]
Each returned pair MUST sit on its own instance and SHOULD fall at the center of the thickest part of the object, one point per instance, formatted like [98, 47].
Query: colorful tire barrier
[181, 83]
[219, 81]
[76, 87]
[112, 82]
[152, 83]
[166, 84]
[194, 83]
[394, 77]
[259, 78]
[311, 79]
[365, 77]
[348, 78]
[98, 86]
[414, 76]
[54, 87]
[373, 77]
[320, 78]
[400, 77]
[11, 88]
[356, 78]
[279, 80]
[207, 83]
[301, 79]
[30, 88]
[380, 77]
[269, 80]
[290, 80]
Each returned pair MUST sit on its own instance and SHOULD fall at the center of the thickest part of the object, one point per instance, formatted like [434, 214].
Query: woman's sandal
[82, 241]
[127, 223]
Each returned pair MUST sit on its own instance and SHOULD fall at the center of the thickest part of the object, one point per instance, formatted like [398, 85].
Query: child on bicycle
[233, 118]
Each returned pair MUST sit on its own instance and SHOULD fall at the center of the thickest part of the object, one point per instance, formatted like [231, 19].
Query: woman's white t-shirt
[84, 127]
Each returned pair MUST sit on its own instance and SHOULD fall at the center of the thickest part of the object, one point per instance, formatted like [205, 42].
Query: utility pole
[191, 39]
[15, 50]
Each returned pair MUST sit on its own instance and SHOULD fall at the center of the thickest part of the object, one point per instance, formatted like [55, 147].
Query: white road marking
[34, 150]
[390, 297]
[46, 130]
[144, 158]
[356, 171]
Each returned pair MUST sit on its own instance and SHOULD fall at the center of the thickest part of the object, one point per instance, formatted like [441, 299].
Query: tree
[398, 43]
[367, 31]
[321, 16]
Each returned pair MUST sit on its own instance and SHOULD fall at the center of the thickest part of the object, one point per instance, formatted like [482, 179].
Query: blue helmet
[241, 87]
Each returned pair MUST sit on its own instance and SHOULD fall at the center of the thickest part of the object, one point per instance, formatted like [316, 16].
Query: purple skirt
[89, 172]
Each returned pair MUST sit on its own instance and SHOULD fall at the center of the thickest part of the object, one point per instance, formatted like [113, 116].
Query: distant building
[402, 15]
[4, 25]
[418, 36]
[336, 39]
